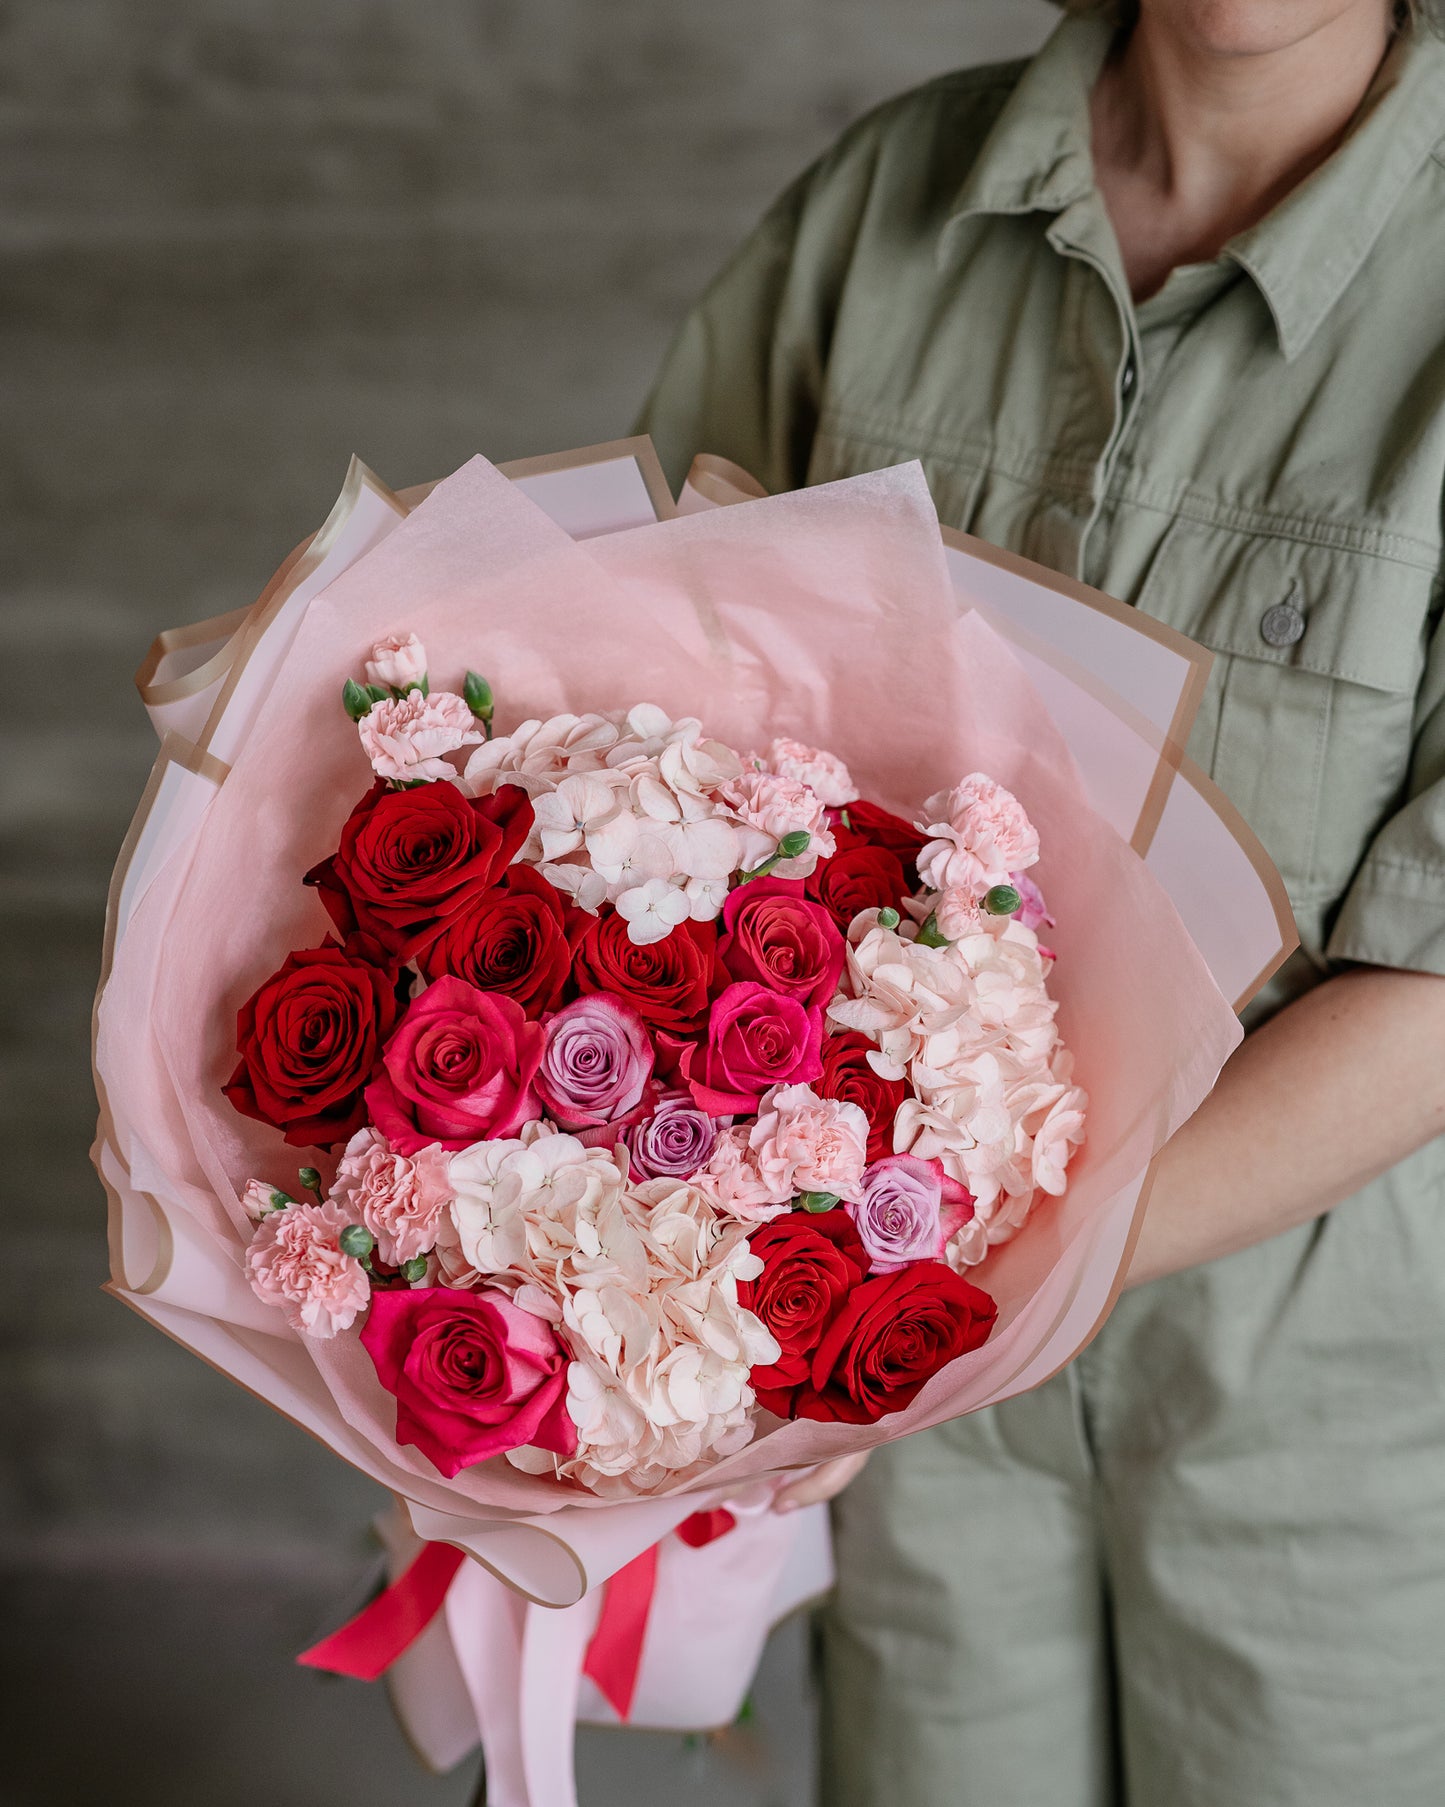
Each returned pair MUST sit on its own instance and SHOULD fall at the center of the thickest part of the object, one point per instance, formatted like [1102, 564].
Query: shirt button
[1282, 625]
[1126, 382]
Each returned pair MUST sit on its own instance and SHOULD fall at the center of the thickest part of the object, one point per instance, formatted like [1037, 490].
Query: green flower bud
[1002, 900]
[356, 1240]
[376, 693]
[888, 918]
[817, 1201]
[280, 1200]
[354, 700]
[310, 1179]
[414, 1270]
[477, 693]
[793, 845]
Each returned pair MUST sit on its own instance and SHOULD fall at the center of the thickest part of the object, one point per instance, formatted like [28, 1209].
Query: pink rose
[295, 1261]
[397, 662]
[407, 738]
[755, 1039]
[597, 1062]
[399, 1198]
[767, 807]
[804, 1143]
[823, 773]
[906, 1210]
[474, 1375]
[980, 835]
[459, 1068]
[777, 937]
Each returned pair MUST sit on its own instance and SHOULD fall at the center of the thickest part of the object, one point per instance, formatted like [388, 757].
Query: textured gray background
[240, 239]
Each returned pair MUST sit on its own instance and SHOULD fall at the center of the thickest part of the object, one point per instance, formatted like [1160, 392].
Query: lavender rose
[673, 1142]
[904, 1211]
[596, 1064]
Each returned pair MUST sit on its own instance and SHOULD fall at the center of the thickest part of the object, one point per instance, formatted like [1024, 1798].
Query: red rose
[870, 826]
[756, 1038]
[459, 1068]
[858, 878]
[810, 1265]
[310, 1039]
[474, 1375]
[777, 938]
[410, 859]
[848, 1077]
[890, 1336]
[515, 939]
[668, 982]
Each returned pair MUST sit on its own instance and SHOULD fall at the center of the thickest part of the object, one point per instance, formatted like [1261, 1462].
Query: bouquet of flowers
[673, 1085]
[678, 1089]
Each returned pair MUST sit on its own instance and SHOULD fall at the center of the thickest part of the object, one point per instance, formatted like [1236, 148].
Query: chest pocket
[846, 445]
[1306, 725]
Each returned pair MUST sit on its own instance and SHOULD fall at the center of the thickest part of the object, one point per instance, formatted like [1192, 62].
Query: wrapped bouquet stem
[609, 1005]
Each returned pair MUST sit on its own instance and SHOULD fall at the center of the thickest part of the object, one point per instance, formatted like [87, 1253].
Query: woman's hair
[1409, 14]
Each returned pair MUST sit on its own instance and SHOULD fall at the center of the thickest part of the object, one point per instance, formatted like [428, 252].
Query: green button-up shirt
[1256, 454]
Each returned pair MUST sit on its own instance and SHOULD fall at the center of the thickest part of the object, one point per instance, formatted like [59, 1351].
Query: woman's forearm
[1320, 1099]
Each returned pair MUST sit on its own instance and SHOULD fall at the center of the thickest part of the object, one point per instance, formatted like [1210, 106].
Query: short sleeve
[1394, 911]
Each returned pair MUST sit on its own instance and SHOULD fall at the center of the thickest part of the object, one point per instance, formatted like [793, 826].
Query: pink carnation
[767, 807]
[295, 1261]
[823, 773]
[397, 662]
[804, 1143]
[980, 835]
[400, 1198]
[407, 738]
[732, 1182]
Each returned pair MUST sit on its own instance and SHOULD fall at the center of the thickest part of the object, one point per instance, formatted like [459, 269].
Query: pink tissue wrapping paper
[826, 614]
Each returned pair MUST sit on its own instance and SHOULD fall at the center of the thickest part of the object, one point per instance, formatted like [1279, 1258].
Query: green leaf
[817, 1202]
[376, 693]
[928, 935]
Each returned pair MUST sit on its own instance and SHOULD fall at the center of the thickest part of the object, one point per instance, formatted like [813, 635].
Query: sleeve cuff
[1393, 915]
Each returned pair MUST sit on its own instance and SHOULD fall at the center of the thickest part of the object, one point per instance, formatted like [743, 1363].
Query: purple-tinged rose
[755, 1039]
[673, 1142]
[597, 1062]
[905, 1210]
[474, 1375]
[459, 1068]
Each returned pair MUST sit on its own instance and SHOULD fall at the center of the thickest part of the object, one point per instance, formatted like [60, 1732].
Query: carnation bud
[280, 1199]
[888, 918]
[356, 1240]
[818, 1201]
[1002, 900]
[310, 1180]
[356, 701]
[414, 1270]
[477, 694]
[794, 844]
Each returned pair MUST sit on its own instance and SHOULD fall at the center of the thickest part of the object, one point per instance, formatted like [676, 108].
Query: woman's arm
[1337, 1087]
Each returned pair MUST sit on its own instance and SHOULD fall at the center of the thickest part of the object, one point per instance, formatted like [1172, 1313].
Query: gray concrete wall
[240, 239]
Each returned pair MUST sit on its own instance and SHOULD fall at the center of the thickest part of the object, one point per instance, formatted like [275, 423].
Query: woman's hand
[820, 1483]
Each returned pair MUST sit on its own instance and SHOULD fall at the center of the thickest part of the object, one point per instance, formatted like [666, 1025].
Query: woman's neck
[1196, 139]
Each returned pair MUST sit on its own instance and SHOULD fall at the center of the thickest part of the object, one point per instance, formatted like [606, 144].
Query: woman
[1165, 309]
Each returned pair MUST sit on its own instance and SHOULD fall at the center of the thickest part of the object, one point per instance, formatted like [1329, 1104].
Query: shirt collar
[1303, 254]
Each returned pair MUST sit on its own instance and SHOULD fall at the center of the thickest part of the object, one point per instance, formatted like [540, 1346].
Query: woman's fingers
[827, 1479]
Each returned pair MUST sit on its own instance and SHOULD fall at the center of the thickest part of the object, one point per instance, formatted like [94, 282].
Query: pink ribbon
[367, 1645]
